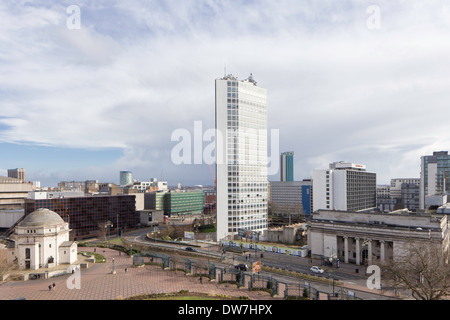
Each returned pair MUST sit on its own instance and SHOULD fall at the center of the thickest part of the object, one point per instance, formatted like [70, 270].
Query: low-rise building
[88, 215]
[362, 238]
[41, 240]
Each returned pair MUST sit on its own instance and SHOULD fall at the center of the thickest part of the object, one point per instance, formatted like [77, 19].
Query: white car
[316, 270]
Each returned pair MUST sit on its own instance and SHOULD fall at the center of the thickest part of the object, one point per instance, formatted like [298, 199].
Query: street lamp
[113, 271]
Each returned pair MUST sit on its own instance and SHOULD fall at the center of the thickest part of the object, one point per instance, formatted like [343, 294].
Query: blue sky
[86, 103]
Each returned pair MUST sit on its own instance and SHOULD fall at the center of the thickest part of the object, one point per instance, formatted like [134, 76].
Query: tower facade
[434, 179]
[287, 166]
[241, 156]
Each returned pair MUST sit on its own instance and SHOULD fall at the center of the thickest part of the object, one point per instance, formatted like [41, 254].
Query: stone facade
[363, 238]
[42, 241]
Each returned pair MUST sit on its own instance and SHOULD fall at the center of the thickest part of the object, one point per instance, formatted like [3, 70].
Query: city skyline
[349, 81]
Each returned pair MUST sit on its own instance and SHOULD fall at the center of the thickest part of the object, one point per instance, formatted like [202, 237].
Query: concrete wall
[9, 217]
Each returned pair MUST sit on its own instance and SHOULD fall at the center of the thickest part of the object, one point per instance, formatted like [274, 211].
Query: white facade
[42, 241]
[142, 186]
[241, 156]
[36, 195]
[344, 186]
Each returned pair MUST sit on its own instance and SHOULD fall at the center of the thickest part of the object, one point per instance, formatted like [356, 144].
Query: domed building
[42, 241]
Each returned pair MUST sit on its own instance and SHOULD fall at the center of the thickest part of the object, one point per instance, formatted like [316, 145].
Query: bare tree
[423, 269]
[6, 265]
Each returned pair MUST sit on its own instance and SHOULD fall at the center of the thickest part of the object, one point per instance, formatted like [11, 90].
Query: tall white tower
[241, 156]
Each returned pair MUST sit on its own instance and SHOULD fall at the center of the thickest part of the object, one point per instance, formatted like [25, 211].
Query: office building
[395, 190]
[13, 192]
[126, 178]
[287, 166]
[241, 156]
[434, 179]
[18, 173]
[344, 186]
[87, 216]
[175, 202]
[290, 198]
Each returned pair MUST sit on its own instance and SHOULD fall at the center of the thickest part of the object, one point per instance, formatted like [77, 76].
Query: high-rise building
[287, 166]
[345, 187]
[241, 156]
[434, 179]
[126, 178]
[18, 173]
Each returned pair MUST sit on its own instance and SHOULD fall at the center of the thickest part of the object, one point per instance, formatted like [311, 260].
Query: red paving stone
[97, 283]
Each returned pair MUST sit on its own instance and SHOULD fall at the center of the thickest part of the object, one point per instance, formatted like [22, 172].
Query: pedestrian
[126, 270]
[201, 279]
[49, 287]
[54, 285]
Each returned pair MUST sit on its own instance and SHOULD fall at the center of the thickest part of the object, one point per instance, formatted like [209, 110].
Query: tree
[423, 268]
[6, 265]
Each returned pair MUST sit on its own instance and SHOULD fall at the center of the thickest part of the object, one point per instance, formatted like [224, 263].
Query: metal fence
[220, 274]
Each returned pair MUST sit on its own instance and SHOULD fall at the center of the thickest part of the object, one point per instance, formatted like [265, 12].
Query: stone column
[358, 252]
[369, 252]
[346, 249]
[382, 251]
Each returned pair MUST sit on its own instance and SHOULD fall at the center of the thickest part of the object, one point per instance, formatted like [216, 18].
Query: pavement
[99, 283]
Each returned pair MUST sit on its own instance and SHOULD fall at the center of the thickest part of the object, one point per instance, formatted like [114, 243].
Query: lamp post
[113, 271]
[333, 257]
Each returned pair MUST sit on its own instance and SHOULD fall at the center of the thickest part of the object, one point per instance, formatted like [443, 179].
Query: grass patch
[99, 258]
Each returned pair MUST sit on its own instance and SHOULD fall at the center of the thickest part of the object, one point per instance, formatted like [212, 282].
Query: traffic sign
[256, 266]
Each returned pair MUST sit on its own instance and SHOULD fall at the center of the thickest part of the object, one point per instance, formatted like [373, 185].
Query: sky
[91, 88]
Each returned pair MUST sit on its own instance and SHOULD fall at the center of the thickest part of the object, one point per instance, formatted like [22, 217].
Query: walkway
[98, 283]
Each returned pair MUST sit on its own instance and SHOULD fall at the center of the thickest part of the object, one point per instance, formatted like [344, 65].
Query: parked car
[316, 270]
[241, 266]
[190, 249]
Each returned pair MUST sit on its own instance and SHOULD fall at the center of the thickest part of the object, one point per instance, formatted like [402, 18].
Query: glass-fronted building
[86, 215]
[176, 202]
[183, 202]
[287, 166]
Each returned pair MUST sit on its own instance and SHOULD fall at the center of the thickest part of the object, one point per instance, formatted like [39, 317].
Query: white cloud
[138, 70]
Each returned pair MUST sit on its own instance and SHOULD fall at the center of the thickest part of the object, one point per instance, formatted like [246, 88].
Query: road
[346, 274]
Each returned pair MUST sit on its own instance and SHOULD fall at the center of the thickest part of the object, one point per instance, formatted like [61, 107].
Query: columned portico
[358, 252]
[346, 249]
[369, 252]
[382, 251]
[363, 238]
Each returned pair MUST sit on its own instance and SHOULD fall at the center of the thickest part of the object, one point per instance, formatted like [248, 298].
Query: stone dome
[41, 217]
